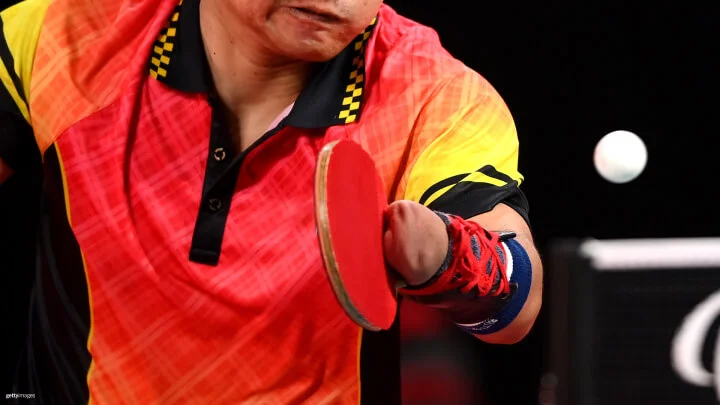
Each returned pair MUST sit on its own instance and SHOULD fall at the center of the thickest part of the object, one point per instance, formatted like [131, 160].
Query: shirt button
[214, 204]
[219, 154]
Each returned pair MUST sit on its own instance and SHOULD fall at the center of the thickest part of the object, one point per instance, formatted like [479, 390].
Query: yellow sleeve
[20, 27]
[464, 157]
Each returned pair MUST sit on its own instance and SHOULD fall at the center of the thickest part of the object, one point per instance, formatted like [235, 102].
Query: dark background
[573, 72]
[570, 73]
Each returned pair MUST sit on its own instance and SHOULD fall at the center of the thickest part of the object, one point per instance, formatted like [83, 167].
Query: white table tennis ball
[620, 156]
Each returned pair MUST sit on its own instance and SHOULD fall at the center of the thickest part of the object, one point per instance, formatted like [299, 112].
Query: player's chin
[314, 50]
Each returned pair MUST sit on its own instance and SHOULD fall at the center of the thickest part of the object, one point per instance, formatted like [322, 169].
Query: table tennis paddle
[349, 206]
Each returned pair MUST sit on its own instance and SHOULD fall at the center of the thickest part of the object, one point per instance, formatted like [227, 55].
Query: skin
[261, 53]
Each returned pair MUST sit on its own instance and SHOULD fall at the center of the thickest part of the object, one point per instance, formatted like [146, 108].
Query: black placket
[218, 187]
[221, 177]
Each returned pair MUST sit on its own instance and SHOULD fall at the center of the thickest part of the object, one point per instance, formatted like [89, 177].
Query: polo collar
[333, 96]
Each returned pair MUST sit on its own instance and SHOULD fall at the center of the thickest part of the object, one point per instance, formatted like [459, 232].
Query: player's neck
[246, 74]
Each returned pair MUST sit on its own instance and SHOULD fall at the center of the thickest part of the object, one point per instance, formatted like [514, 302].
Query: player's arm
[502, 217]
[19, 31]
[465, 165]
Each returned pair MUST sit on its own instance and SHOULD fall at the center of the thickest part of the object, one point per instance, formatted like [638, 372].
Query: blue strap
[522, 278]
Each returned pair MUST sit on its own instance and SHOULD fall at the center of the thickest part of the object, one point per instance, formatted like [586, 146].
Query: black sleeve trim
[468, 199]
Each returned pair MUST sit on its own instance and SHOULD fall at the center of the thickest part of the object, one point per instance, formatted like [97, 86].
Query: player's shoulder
[25, 12]
[79, 29]
[99, 15]
[63, 37]
[79, 55]
[108, 21]
[411, 52]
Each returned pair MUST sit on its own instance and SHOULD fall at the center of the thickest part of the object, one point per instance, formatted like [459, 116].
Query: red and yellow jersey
[176, 270]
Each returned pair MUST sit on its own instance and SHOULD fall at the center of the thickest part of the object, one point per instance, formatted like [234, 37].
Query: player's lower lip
[314, 16]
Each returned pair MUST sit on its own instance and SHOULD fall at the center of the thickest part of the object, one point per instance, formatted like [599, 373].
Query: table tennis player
[178, 256]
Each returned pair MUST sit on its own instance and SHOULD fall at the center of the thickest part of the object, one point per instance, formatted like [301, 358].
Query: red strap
[476, 261]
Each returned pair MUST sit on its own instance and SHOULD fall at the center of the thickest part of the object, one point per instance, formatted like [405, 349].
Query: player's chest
[167, 168]
[163, 202]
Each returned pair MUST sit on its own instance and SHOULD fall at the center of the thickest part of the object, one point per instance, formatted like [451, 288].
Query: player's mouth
[314, 14]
